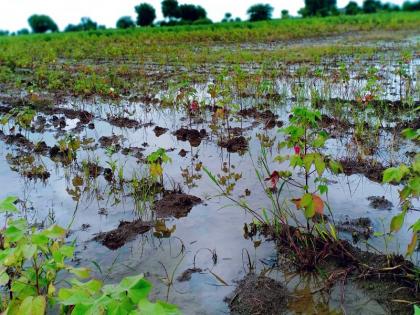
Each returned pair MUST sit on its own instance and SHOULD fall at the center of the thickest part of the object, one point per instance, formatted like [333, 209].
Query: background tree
[227, 17]
[285, 14]
[23, 31]
[170, 9]
[4, 33]
[86, 24]
[125, 22]
[190, 12]
[371, 6]
[260, 12]
[146, 14]
[42, 23]
[352, 8]
[411, 6]
[319, 7]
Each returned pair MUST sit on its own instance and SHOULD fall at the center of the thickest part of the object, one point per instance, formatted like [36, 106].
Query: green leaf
[319, 165]
[82, 273]
[160, 308]
[391, 174]
[397, 222]
[33, 306]
[8, 205]
[28, 251]
[416, 226]
[416, 310]
[335, 166]
[307, 161]
[4, 278]
[136, 286]
[14, 234]
[54, 231]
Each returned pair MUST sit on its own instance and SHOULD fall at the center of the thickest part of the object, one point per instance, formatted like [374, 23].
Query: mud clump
[360, 227]
[125, 232]
[258, 295]
[159, 131]
[193, 136]
[123, 122]
[380, 202]
[106, 142]
[187, 274]
[237, 144]
[175, 205]
[267, 117]
[93, 169]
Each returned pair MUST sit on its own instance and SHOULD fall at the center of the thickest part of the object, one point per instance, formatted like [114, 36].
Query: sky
[14, 13]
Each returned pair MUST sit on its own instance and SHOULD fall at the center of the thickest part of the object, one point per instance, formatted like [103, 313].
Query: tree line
[186, 14]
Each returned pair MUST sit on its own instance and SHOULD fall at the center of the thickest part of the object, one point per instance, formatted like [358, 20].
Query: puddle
[96, 160]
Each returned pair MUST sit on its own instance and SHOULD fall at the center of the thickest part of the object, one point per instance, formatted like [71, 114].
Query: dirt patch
[371, 169]
[176, 205]
[237, 144]
[380, 202]
[159, 131]
[193, 136]
[125, 232]
[123, 122]
[258, 295]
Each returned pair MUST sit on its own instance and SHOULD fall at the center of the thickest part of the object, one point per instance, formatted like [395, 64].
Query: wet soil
[125, 232]
[175, 205]
[258, 295]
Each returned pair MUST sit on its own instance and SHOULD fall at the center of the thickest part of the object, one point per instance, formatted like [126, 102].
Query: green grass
[89, 63]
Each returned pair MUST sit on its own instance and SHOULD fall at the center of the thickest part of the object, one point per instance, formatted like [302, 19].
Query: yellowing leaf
[156, 170]
[397, 222]
[312, 204]
[412, 246]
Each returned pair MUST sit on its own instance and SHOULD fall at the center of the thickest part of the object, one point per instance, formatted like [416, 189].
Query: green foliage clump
[32, 261]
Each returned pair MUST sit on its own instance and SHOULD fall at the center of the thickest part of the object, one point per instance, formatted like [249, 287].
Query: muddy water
[211, 235]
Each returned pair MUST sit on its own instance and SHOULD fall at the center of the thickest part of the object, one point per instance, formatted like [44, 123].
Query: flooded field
[189, 180]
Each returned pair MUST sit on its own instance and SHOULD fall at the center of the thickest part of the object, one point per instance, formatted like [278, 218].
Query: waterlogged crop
[36, 277]
[409, 176]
